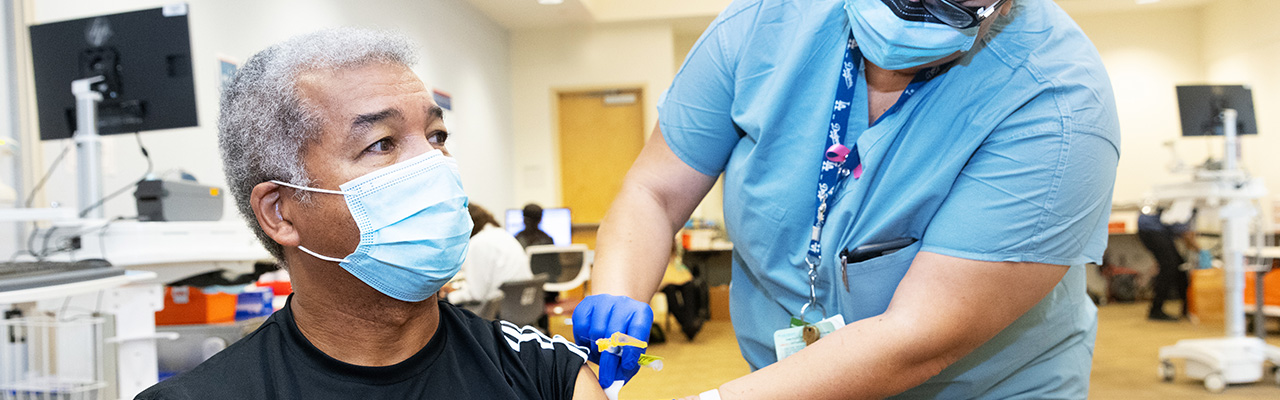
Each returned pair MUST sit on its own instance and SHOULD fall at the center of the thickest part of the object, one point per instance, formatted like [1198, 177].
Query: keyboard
[32, 274]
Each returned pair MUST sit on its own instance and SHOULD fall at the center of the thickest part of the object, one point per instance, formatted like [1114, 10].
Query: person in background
[334, 151]
[493, 258]
[531, 235]
[1159, 236]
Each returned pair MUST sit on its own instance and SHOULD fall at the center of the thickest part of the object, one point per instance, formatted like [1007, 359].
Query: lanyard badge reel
[801, 334]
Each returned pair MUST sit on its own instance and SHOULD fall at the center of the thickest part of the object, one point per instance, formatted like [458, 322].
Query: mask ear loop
[309, 189]
[300, 247]
[317, 255]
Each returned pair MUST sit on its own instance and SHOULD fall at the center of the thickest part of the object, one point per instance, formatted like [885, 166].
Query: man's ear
[1004, 9]
[266, 200]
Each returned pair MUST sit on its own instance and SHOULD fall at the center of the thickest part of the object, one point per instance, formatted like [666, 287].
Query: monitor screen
[555, 222]
[145, 57]
[1199, 106]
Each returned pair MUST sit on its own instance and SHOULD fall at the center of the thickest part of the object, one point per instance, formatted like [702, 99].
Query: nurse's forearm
[868, 359]
[636, 235]
[943, 309]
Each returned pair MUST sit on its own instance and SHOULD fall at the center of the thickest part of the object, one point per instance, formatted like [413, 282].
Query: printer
[164, 200]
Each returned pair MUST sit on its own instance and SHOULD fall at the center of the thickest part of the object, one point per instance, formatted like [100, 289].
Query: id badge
[791, 340]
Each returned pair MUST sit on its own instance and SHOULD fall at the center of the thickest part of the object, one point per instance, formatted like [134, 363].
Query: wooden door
[601, 134]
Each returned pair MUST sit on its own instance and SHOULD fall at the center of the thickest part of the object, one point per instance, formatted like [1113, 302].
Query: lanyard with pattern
[837, 158]
[835, 165]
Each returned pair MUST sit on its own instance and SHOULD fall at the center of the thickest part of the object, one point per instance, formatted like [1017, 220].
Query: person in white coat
[494, 258]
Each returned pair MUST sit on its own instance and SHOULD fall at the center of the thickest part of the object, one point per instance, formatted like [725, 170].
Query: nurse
[931, 175]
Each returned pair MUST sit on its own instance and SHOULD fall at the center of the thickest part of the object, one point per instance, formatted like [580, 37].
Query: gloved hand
[599, 316]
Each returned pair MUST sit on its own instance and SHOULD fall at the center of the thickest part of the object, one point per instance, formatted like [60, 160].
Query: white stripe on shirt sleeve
[516, 335]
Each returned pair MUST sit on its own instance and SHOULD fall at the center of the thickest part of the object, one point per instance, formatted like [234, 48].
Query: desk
[133, 307]
[156, 253]
[1264, 252]
[173, 250]
[714, 264]
[74, 288]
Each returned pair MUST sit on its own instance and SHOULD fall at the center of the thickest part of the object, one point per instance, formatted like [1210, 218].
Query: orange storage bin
[185, 305]
[278, 288]
[1270, 289]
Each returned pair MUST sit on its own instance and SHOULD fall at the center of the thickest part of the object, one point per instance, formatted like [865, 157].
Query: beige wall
[546, 61]
[632, 10]
[1147, 54]
[1242, 46]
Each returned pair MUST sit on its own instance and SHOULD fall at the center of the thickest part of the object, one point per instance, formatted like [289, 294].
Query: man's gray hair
[265, 127]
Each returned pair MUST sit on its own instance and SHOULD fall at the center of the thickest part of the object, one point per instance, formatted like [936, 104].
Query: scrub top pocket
[872, 283]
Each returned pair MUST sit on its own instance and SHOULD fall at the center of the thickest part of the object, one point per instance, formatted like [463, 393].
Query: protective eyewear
[952, 13]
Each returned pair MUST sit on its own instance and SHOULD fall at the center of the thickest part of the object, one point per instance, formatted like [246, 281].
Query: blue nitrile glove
[599, 316]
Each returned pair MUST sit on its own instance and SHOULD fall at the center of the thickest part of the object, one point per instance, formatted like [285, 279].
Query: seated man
[334, 148]
[532, 235]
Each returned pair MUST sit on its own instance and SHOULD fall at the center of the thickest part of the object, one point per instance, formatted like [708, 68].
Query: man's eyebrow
[362, 122]
[436, 113]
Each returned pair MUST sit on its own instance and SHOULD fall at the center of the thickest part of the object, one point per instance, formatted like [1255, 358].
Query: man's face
[373, 116]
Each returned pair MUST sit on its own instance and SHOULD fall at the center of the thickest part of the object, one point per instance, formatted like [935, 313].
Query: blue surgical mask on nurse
[902, 34]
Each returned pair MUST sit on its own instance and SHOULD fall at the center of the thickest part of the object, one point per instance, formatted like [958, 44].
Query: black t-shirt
[468, 358]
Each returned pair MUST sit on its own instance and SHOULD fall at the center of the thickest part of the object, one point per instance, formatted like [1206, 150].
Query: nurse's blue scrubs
[1009, 154]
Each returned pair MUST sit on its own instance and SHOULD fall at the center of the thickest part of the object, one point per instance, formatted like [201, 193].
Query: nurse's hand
[599, 316]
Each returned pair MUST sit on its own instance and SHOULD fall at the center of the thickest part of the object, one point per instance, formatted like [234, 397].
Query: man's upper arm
[585, 387]
[553, 363]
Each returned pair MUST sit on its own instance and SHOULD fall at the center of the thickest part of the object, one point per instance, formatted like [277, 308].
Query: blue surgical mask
[893, 43]
[414, 226]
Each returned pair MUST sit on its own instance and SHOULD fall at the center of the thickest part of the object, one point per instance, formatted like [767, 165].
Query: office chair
[522, 302]
[487, 309]
[566, 267]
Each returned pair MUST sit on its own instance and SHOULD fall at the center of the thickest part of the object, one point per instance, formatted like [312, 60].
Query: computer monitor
[1200, 106]
[556, 222]
[145, 57]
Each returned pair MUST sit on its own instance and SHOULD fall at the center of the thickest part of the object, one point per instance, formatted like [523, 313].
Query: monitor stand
[1234, 358]
[88, 147]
